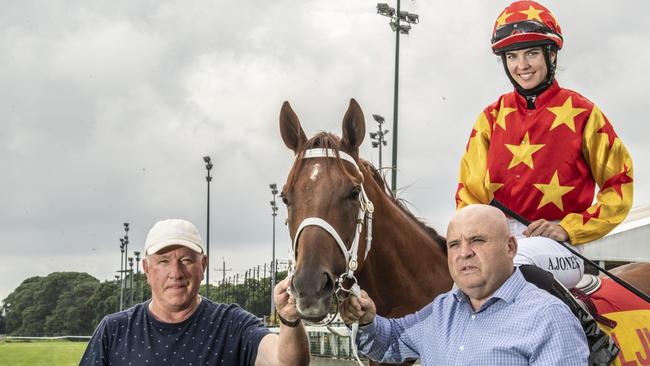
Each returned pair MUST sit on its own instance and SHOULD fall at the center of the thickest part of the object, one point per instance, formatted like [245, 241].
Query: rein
[364, 217]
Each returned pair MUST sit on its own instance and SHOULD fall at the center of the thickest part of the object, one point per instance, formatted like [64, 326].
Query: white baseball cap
[170, 232]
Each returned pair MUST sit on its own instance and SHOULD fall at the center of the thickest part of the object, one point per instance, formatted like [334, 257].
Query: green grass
[54, 353]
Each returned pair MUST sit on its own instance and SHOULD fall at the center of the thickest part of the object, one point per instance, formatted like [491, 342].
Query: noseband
[364, 217]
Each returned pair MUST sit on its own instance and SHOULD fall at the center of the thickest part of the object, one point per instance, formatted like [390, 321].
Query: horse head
[325, 201]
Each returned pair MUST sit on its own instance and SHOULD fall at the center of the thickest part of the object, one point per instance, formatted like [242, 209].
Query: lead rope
[355, 290]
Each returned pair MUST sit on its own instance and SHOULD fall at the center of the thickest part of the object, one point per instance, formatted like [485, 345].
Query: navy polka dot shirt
[216, 334]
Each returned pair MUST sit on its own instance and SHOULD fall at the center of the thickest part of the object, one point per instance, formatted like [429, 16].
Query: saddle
[589, 284]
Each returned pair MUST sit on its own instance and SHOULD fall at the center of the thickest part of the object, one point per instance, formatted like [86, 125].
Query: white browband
[330, 153]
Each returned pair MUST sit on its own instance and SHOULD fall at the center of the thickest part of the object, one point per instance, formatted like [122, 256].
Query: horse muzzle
[313, 294]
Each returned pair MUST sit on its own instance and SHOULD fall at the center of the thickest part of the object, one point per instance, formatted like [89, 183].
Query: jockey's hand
[360, 309]
[548, 229]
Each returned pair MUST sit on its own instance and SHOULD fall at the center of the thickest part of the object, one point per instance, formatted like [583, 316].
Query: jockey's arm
[611, 167]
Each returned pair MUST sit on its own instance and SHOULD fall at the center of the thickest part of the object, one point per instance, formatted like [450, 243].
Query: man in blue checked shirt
[495, 317]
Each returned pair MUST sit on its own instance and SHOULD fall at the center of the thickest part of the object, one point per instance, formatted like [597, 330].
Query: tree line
[73, 303]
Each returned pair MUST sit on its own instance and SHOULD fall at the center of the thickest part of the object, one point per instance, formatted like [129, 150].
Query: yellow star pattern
[503, 112]
[553, 192]
[502, 18]
[532, 13]
[565, 115]
[597, 117]
[523, 153]
[492, 187]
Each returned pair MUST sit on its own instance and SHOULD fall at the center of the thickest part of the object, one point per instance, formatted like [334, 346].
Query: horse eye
[284, 198]
[354, 194]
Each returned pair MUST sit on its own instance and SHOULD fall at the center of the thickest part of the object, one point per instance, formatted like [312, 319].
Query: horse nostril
[328, 286]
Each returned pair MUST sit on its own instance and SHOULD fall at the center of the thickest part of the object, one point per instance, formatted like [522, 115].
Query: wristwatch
[289, 324]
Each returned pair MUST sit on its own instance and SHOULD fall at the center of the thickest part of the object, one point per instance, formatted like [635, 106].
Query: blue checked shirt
[519, 325]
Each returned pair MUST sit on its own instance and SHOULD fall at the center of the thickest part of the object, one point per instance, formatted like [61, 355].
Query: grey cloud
[111, 105]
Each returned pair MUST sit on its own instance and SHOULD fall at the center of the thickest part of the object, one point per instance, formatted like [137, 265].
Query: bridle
[364, 217]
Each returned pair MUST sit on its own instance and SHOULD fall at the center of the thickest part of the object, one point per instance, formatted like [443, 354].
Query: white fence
[330, 342]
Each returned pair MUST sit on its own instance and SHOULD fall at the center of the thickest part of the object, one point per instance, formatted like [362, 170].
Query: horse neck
[406, 267]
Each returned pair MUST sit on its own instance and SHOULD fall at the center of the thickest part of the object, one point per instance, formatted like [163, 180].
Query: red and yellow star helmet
[525, 24]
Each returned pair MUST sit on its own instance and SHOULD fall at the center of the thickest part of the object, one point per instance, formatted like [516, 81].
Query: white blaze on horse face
[314, 172]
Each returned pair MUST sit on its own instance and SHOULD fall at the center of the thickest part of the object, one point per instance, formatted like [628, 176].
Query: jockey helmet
[525, 24]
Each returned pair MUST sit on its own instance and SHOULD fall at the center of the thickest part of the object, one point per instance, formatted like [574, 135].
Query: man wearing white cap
[179, 327]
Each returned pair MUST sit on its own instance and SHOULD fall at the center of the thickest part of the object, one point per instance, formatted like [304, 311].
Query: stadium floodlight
[397, 16]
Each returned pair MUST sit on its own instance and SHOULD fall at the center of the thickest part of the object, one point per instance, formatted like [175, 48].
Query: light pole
[378, 137]
[395, 18]
[121, 274]
[137, 276]
[130, 281]
[274, 213]
[208, 179]
[125, 244]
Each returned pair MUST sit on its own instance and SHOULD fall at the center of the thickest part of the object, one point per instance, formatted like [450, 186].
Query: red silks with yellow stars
[546, 162]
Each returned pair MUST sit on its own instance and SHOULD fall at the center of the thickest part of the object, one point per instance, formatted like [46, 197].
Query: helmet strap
[548, 81]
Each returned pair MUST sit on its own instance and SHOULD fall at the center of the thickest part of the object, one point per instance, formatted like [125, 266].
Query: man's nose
[176, 270]
[466, 250]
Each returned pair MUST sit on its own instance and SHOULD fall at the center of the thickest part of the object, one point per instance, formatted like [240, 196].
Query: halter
[364, 217]
[351, 264]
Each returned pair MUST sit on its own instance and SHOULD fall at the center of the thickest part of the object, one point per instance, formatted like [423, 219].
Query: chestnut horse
[333, 197]
[636, 274]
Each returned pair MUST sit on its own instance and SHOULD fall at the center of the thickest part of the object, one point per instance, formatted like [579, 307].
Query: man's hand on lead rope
[360, 309]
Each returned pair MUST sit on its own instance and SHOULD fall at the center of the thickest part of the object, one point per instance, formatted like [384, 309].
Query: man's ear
[145, 269]
[512, 246]
[204, 262]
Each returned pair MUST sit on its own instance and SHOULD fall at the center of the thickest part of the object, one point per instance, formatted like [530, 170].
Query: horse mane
[401, 204]
[326, 140]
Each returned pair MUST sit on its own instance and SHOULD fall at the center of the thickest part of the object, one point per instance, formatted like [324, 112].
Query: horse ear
[354, 127]
[292, 134]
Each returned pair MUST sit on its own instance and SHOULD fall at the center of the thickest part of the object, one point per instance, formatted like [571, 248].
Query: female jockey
[541, 149]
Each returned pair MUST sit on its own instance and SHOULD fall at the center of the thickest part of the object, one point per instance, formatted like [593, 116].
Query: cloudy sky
[107, 108]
